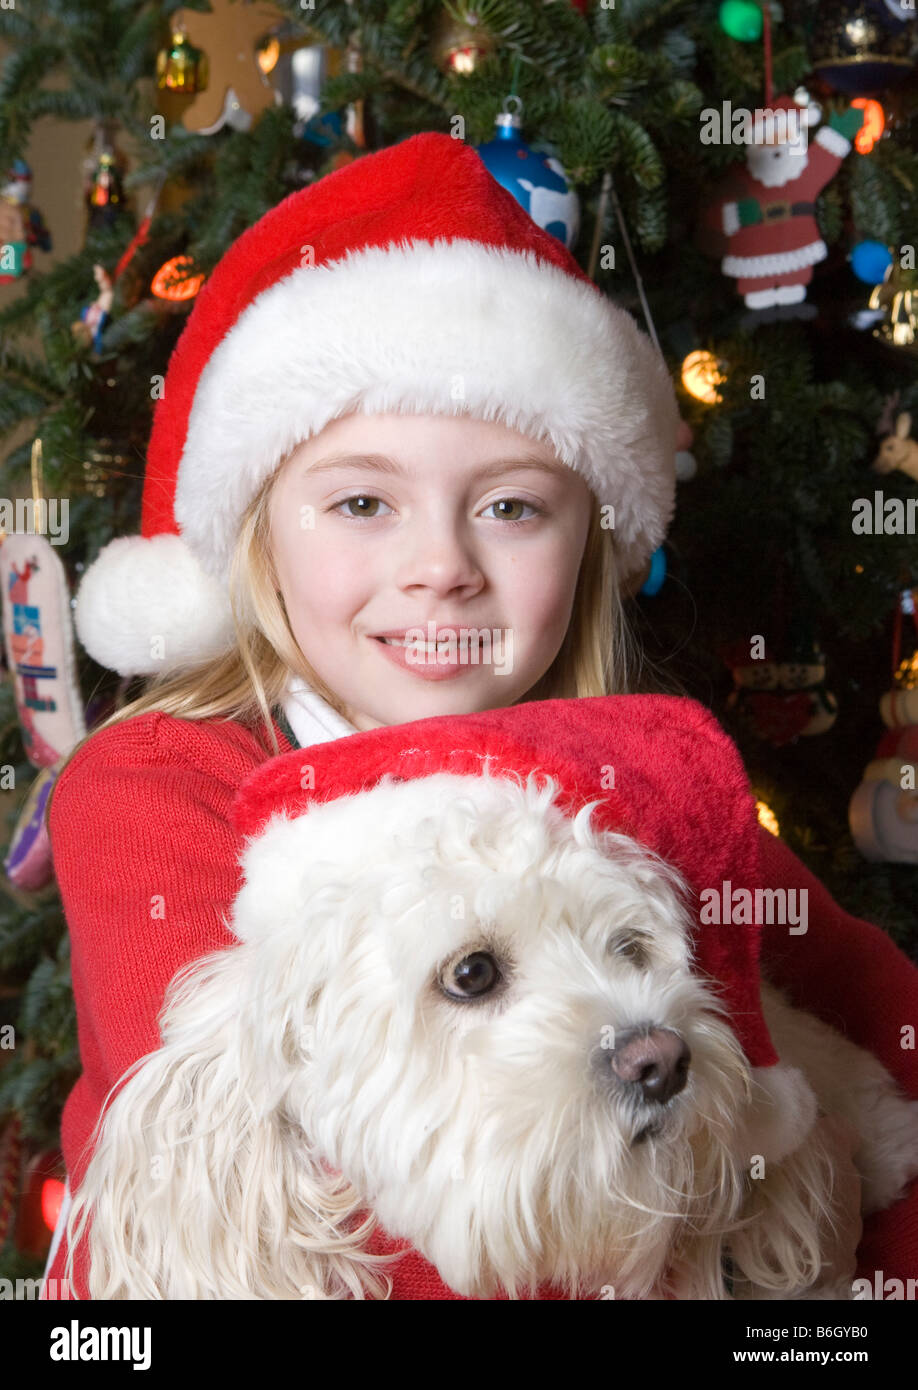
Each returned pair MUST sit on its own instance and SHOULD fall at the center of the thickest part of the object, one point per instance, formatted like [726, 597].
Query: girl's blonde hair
[599, 654]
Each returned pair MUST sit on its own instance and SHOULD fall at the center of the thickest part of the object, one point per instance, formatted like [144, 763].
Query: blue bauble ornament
[870, 260]
[537, 181]
[654, 581]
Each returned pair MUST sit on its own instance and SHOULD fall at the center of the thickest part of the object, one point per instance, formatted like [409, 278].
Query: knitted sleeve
[845, 969]
[147, 869]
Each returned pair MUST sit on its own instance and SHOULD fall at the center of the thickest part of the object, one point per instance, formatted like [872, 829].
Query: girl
[398, 405]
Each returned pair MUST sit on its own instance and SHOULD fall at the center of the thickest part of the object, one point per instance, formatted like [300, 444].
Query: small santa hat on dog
[678, 788]
[407, 281]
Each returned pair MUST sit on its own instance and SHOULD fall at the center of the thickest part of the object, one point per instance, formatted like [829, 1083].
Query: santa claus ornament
[493, 1027]
[773, 240]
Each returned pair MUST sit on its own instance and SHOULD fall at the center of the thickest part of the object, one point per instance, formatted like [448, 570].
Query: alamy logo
[884, 516]
[889, 1290]
[731, 125]
[50, 517]
[31, 1289]
[465, 645]
[781, 906]
[75, 1343]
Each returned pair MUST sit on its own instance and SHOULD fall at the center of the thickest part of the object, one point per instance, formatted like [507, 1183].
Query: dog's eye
[471, 976]
[631, 948]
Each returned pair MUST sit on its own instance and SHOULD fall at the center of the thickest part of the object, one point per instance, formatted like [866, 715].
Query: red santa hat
[680, 789]
[407, 281]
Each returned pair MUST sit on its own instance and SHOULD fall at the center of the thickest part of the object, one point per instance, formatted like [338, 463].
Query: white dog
[483, 1027]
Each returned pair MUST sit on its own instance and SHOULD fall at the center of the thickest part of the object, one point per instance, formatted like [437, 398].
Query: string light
[701, 376]
[767, 818]
[168, 283]
[874, 124]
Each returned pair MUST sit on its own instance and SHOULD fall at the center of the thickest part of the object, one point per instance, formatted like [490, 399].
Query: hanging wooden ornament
[767, 209]
[237, 91]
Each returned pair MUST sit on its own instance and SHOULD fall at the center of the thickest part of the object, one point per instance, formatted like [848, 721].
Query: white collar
[310, 717]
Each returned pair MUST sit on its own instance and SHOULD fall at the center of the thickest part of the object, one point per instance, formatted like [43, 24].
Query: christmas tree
[783, 598]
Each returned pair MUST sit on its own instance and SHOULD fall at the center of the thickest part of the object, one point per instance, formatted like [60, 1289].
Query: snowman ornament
[770, 223]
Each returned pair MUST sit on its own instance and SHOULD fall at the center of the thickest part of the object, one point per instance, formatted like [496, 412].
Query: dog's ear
[200, 1185]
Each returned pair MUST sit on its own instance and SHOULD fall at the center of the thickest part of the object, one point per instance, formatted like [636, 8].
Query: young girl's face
[384, 524]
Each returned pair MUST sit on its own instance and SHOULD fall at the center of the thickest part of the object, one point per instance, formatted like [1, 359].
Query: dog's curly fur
[316, 1078]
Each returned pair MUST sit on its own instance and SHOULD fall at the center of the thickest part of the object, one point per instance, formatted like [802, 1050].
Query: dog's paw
[888, 1159]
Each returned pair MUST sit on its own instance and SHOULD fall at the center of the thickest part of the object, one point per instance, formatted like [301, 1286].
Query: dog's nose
[656, 1059]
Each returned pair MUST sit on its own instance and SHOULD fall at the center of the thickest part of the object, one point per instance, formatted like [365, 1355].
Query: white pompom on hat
[408, 281]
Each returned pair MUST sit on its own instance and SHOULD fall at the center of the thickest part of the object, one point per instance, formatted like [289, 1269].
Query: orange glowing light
[701, 376]
[167, 284]
[874, 124]
[267, 56]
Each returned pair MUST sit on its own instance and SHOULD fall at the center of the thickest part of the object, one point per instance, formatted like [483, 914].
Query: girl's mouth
[429, 662]
[425, 646]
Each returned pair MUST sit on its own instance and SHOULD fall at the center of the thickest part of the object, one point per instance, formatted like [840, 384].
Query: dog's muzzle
[652, 1062]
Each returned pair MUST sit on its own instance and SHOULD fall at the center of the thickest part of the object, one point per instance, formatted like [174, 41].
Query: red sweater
[147, 867]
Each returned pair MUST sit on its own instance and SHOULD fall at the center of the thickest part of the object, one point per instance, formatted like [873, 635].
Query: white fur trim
[292, 844]
[781, 263]
[731, 218]
[833, 141]
[146, 606]
[784, 1110]
[446, 328]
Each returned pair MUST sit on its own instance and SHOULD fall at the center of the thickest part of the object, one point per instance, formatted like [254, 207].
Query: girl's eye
[513, 502]
[367, 503]
[358, 497]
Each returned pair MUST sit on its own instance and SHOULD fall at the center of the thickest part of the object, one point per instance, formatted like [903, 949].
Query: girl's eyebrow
[382, 463]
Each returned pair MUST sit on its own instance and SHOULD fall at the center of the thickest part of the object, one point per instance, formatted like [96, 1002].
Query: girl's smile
[443, 652]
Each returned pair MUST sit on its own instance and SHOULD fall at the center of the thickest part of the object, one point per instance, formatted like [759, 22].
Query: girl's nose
[438, 556]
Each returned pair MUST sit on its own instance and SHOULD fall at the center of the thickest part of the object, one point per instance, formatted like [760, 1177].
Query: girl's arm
[146, 864]
[842, 968]
[852, 975]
